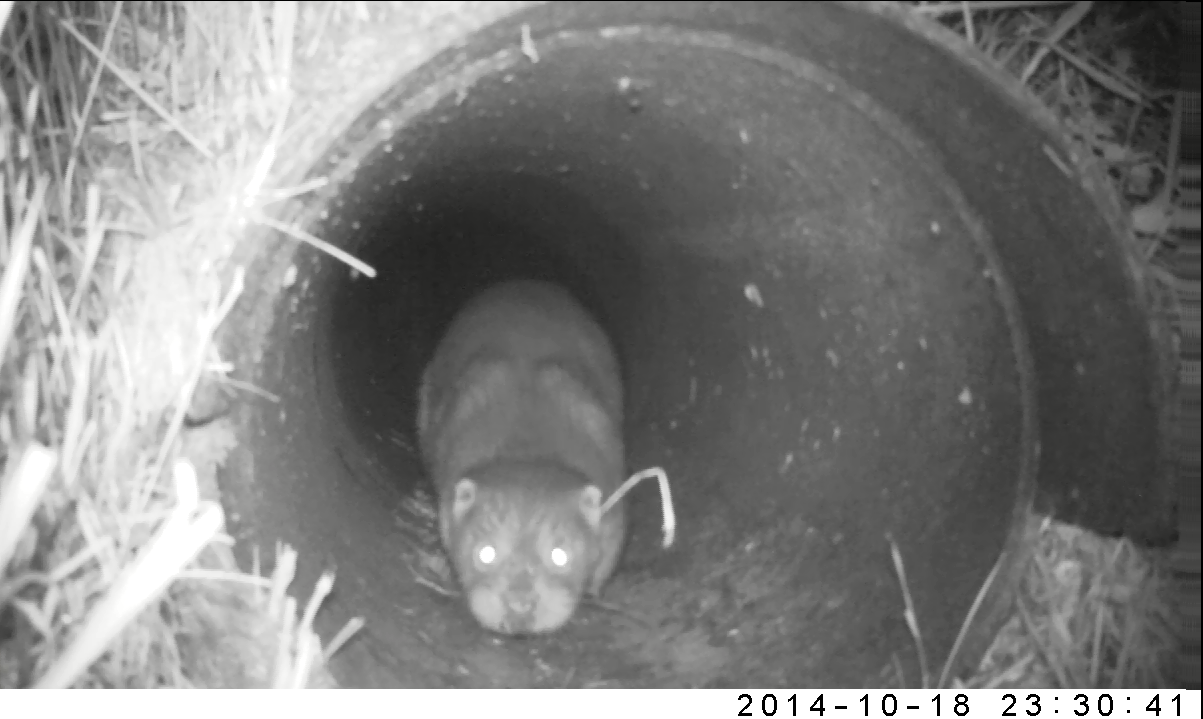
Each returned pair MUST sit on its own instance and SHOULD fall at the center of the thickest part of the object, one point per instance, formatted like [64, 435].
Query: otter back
[523, 373]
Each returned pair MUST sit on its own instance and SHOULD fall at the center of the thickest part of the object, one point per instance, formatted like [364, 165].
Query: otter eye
[486, 554]
[559, 557]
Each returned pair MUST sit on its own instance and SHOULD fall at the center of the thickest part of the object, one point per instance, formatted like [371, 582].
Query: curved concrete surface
[821, 242]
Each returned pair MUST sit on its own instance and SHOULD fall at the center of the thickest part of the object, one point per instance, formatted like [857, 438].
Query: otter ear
[465, 497]
[590, 501]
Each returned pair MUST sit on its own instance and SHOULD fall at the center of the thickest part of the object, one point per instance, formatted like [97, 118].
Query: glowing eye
[559, 557]
[486, 555]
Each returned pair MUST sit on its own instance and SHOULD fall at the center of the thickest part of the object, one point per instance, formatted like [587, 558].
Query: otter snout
[520, 612]
[520, 597]
[522, 604]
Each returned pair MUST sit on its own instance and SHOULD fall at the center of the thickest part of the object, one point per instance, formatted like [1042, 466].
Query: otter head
[524, 541]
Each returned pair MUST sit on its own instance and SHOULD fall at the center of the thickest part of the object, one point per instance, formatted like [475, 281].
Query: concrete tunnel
[863, 297]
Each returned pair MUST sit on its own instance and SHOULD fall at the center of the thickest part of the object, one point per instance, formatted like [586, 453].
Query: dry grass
[139, 138]
[112, 108]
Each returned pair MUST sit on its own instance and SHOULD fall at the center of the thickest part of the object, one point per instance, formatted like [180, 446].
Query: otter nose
[522, 582]
[521, 594]
[521, 603]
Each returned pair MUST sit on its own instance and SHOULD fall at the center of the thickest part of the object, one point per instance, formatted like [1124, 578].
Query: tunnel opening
[820, 340]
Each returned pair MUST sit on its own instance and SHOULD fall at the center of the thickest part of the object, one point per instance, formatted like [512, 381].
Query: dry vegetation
[137, 138]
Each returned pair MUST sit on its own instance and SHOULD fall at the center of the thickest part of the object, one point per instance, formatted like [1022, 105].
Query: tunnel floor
[818, 346]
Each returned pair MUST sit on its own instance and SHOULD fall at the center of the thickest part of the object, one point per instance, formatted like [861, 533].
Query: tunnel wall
[1063, 269]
